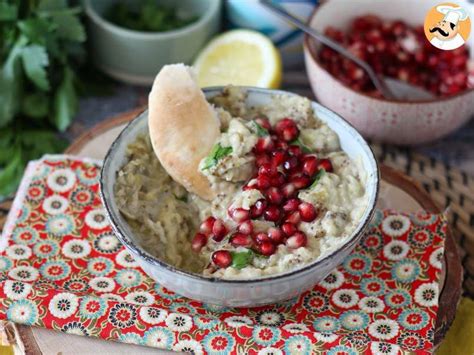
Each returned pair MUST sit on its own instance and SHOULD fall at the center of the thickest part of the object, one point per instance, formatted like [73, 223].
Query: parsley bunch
[41, 42]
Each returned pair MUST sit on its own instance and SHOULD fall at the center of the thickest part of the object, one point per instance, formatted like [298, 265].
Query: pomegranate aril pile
[396, 50]
[282, 170]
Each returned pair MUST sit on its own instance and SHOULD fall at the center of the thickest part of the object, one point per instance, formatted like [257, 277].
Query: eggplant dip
[285, 193]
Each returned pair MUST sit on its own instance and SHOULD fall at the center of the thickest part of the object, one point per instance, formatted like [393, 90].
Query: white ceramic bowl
[238, 293]
[398, 122]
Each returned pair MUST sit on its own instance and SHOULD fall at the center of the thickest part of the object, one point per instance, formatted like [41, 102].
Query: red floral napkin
[61, 267]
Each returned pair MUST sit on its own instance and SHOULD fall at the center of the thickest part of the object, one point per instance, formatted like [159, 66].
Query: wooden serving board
[398, 191]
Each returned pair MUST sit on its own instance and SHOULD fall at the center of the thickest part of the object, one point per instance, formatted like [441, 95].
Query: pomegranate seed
[290, 163]
[261, 238]
[295, 174]
[288, 190]
[308, 212]
[326, 165]
[289, 229]
[266, 248]
[301, 182]
[262, 159]
[239, 214]
[287, 130]
[206, 226]
[310, 165]
[272, 213]
[263, 182]
[355, 73]
[278, 157]
[274, 195]
[275, 234]
[291, 205]
[399, 28]
[246, 228]
[222, 258]
[297, 240]
[277, 180]
[293, 217]
[264, 122]
[267, 169]
[264, 144]
[241, 240]
[198, 242]
[258, 208]
[219, 230]
[282, 145]
[295, 150]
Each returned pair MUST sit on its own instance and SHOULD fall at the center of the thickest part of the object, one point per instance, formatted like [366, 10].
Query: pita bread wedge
[183, 127]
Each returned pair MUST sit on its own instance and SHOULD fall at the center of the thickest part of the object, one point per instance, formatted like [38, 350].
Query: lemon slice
[239, 57]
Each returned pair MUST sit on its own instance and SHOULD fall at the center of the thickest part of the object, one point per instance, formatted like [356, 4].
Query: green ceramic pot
[136, 57]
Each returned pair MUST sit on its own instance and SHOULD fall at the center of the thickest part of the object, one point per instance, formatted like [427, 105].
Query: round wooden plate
[409, 194]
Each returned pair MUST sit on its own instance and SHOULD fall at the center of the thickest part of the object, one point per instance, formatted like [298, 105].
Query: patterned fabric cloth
[61, 267]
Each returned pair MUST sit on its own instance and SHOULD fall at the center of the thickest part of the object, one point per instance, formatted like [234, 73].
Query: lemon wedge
[239, 57]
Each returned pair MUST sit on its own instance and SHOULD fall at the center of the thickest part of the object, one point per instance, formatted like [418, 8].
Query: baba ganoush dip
[286, 194]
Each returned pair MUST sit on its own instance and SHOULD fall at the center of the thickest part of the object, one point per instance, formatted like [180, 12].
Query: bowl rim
[214, 6]
[312, 51]
[128, 243]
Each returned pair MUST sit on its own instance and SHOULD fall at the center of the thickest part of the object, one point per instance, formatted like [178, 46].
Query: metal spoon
[390, 88]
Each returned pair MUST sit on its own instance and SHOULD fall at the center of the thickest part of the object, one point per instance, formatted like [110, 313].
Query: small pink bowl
[398, 122]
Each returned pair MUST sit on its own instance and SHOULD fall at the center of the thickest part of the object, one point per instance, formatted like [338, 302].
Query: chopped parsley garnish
[216, 153]
[147, 16]
[242, 259]
[303, 146]
[183, 198]
[259, 130]
[318, 177]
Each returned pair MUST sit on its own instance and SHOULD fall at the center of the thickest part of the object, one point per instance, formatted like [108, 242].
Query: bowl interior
[351, 142]
[340, 13]
[184, 8]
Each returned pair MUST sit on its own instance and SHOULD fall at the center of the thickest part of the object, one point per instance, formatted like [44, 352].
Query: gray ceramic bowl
[135, 57]
[239, 293]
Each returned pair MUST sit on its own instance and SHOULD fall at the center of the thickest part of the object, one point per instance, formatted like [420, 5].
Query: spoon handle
[378, 83]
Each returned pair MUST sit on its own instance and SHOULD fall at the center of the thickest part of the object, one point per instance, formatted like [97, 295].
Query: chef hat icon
[452, 14]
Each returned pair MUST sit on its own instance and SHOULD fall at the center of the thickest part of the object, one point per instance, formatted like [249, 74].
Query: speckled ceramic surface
[239, 293]
[379, 119]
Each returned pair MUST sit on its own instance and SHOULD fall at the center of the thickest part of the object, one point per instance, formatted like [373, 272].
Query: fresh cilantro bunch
[41, 42]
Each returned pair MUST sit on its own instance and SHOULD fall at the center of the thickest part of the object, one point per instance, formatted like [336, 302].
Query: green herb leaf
[242, 259]
[35, 61]
[69, 27]
[259, 130]
[7, 145]
[40, 142]
[36, 29]
[65, 102]
[217, 153]
[183, 198]
[11, 174]
[11, 87]
[35, 105]
[318, 177]
[303, 146]
[8, 12]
